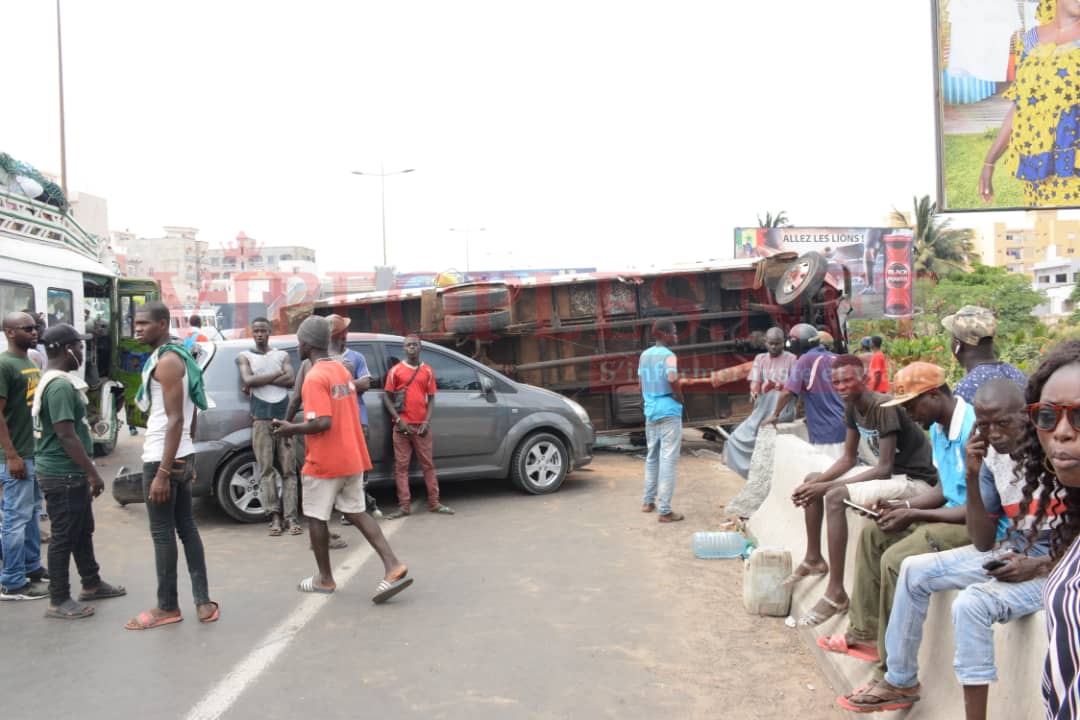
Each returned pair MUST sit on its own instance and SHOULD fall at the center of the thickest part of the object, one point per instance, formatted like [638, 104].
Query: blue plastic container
[727, 544]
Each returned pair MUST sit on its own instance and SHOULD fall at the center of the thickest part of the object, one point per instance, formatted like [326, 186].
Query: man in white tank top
[169, 469]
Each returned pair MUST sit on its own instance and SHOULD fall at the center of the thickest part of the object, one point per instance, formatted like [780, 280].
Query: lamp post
[467, 231]
[60, 76]
[382, 182]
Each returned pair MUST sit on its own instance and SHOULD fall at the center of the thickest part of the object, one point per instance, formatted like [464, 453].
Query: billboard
[1008, 104]
[876, 263]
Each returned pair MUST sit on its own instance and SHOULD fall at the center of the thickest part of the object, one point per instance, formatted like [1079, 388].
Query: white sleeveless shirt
[158, 421]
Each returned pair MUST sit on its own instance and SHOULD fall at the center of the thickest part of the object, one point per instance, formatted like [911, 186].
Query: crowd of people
[45, 437]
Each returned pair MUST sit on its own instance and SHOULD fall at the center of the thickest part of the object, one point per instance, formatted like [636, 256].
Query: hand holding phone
[863, 510]
[994, 565]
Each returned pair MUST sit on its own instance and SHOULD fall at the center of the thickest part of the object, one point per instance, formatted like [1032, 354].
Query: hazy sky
[607, 134]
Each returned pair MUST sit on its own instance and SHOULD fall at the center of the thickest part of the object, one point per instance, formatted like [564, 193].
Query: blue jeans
[664, 439]
[21, 534]
[982, 602]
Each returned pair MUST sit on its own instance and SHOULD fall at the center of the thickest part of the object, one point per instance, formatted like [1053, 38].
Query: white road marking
[222, 696]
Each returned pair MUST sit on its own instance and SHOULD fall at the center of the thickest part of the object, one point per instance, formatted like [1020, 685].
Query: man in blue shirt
[973, 329]
[812, 380]
[659, 373]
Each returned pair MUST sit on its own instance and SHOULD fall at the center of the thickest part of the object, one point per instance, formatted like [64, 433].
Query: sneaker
[39, 575]
[29, 591]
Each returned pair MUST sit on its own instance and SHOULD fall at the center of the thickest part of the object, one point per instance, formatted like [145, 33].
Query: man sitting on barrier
[930, 522]
[1001, 577]
[904, 469]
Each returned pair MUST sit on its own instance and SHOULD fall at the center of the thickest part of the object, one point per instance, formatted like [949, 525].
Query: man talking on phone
[927, 523]
[1000, 576]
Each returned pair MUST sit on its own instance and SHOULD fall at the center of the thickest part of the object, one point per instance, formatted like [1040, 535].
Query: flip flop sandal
[102, 592]
[883, 697]
[148, 621]
[441, 510]
[70, 610]
[387, 589]
[212, 617]
[838, 643]
[275, 528]
[295, 528]
[307, 585]
[796, 577]
[815, 617]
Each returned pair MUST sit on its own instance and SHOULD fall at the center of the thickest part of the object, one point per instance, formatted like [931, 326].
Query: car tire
[237, 488]
[466, 299]
[802, 278]
[540, 464]
[102, 449]
[469, 324]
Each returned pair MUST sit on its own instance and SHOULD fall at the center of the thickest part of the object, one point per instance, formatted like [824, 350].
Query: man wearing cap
[355, 363]
[973, 330]
[266, 375]
[335, 460]
[811, 380]
[67, 475]
[930, 522]
[19, 376]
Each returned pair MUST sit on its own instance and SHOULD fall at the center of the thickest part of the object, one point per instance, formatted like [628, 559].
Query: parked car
[485, 426]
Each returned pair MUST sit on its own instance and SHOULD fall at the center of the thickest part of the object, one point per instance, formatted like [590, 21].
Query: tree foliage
[938, 249]
[1009, 295]
[774, 221]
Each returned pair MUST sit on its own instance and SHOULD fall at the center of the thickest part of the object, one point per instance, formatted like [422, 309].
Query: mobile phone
[861, 509]
[994, 565]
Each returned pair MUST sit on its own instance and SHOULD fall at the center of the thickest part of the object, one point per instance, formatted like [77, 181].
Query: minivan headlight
[577, 409]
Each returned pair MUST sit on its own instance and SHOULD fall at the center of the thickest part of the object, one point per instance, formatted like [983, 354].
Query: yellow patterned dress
[1046, 126]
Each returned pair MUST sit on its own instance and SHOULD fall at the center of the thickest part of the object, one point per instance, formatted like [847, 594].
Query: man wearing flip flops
[67, 475]
[336, 458]
[1001, 576]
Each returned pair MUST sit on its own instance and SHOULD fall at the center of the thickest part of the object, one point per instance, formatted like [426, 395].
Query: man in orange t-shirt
[878, 372]
[412, 426]
[335, 459]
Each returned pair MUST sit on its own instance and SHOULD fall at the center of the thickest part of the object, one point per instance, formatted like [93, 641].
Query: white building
[1056, 276]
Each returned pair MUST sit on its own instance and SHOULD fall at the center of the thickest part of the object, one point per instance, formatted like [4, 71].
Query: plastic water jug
[728, 544]
[763, 593]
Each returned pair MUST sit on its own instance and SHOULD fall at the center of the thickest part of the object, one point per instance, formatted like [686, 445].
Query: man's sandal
[796, 577]
[882, 697]
[838, 643]
[819, 614]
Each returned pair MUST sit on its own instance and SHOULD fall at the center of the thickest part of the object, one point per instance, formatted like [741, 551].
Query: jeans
[265, 446]
[21, 535]
[169, 519]
[68, 500]
[983, 602]
[877, 567]
[404, 447]
[664, 440]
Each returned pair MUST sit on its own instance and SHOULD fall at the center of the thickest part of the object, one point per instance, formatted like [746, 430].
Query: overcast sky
[608, 134]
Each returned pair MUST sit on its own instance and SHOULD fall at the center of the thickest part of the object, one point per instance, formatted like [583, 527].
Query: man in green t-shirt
[21, 536]
[67, 475]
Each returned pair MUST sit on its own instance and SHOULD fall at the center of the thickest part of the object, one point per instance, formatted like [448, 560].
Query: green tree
[1009, 295]
[938, 249]
[771, 221]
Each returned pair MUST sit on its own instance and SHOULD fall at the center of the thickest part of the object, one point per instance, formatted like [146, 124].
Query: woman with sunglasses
[1051, 468]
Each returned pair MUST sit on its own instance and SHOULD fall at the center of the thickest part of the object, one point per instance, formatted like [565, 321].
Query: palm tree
[938, 249]
[771, 221]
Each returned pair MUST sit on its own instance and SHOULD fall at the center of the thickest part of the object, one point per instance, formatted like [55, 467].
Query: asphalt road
[522, 607]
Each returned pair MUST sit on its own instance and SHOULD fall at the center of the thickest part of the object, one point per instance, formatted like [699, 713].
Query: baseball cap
[970, 324]
[62, 334]
[338, 325]
[914, 380]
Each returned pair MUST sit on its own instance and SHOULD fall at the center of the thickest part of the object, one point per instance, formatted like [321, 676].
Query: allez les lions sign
[876, 263]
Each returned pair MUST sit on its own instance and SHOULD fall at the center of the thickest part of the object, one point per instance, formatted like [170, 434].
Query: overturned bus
[581, 334]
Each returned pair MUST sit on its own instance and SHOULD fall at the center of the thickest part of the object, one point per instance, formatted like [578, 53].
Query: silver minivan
[485, 425]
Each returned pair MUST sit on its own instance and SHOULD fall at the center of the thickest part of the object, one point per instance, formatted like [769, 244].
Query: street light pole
[60, 75]
[382, 185]
[467, 231]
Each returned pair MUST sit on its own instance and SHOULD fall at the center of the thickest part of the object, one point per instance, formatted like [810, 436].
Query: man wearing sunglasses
[22, 572]
[973, 329]
[1001, 576]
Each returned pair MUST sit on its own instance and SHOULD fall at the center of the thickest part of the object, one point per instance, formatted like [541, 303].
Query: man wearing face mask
[67, 475]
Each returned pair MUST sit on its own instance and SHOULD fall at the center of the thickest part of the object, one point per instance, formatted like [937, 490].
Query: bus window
[16, 297]
[59, 306]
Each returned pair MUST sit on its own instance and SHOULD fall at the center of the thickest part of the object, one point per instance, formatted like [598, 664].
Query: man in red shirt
[336, 458]
[412, 426]
[878, 372]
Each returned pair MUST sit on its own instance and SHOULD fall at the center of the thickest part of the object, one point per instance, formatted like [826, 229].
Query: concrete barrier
[1019, 646]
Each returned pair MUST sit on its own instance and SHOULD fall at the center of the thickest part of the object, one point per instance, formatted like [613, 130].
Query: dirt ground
[735, 665]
